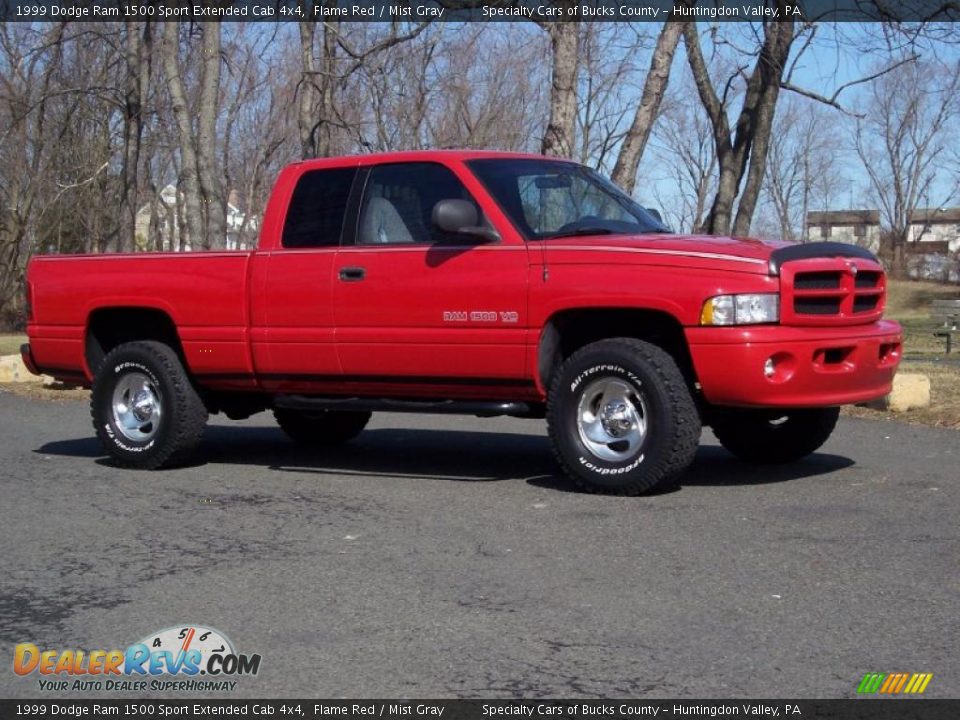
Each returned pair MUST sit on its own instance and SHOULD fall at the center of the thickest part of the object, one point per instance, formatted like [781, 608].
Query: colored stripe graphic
[871, 682]
[889, 683]
[894, 683]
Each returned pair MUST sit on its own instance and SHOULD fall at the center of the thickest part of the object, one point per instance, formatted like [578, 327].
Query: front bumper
[811, 366]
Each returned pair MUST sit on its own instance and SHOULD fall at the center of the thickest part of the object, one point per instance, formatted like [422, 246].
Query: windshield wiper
[581, 231]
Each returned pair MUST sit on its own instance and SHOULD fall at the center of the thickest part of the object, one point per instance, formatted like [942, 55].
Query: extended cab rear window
[317, 208]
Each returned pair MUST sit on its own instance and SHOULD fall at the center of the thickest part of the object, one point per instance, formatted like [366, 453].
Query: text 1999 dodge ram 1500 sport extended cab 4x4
[480, 283]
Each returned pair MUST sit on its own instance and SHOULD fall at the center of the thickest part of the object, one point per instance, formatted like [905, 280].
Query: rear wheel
[145, 410]
[621, 417]
[774, 436]
[321, 427]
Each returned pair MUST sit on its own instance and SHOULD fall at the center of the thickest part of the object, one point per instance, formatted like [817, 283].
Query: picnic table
[946, 312]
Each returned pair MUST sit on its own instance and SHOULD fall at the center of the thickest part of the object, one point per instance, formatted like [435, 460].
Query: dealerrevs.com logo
[188, 657]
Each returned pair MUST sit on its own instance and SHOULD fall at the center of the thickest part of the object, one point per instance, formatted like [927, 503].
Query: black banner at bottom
[865, 709]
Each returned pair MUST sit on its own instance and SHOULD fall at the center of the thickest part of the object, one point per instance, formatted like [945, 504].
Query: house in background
[168, 222]
[933, 241]
[857, 227]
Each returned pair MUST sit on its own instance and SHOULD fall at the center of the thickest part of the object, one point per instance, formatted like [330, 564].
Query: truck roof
[419, 156]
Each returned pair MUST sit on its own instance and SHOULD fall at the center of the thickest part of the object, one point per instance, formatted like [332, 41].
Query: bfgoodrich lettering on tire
[146, 412]
[621, 417]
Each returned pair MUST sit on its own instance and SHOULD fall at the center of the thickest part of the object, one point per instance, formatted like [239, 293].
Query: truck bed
[204, 293]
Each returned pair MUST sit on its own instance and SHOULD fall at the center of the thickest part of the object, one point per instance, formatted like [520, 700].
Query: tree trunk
[751, 137]
[898, 265]
[631, 151]
[138, 52]
[307, 92]
[215, 203]
[805, 200]
[189, 173]
[770, 66]
[558, 139]
[328, 110]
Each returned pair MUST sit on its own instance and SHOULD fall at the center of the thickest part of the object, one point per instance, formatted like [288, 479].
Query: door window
[398, 201]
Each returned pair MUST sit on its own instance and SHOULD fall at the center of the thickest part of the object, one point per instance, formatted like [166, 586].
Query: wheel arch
[108, 327]
[566, 331]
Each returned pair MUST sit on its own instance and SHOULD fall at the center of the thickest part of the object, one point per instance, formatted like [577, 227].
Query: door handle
[352, 274]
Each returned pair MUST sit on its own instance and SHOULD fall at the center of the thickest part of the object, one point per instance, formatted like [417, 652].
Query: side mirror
[656, 214]
[460, 217]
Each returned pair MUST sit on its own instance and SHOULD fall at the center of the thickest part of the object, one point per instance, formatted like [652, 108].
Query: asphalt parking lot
[443, 557]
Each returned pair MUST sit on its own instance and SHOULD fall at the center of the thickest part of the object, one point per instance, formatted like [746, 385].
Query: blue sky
[840, 53]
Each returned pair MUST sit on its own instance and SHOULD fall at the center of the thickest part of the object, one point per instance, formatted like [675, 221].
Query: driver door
[413, 305]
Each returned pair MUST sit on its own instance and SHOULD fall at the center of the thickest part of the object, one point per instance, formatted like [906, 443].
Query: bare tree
[324, 79]
[685, 150]
[742, 150]
[804, 164]
[138, 51]
[55, 145]
[654, 88]
[485, 92]
[259, 130]
[402, 88]
[899, 138]
[606, 89]
[214, 199]
[559, 136]
[190, 165]
[315, 89]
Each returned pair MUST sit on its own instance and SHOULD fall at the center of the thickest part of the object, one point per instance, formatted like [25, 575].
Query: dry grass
[38, 391]
[909, 302]
[919, 338]
[10, 343]
[944, 410]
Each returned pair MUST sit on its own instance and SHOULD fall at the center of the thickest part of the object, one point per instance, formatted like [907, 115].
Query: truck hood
[748, 254]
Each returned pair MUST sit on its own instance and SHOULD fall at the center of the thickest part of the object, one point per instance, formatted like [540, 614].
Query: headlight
[741, 309]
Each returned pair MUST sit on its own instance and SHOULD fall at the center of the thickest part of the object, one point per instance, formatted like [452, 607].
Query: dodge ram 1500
[480, 283]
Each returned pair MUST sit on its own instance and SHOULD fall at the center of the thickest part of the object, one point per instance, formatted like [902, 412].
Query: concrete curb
[12, 370]
[910, 390]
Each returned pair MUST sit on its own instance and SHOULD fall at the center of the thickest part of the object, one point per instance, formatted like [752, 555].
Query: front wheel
[774, 436]
[145, 410]
[621, 417]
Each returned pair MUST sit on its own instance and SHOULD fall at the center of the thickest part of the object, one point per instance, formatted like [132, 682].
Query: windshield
[553, 198]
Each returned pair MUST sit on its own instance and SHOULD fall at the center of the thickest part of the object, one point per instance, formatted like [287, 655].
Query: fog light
[779, 367]
[768, 368]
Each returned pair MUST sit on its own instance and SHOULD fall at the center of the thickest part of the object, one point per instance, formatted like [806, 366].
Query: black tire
[321, 427]
[664, 426]
[774, 436]
[133, 434]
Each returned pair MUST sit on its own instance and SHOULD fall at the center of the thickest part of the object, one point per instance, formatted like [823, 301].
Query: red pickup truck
[479, 283]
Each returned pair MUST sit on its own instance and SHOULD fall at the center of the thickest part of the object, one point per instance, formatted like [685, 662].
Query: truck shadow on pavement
[464, 456]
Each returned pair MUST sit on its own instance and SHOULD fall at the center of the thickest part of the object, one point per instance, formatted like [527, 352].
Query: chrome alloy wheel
[612, 419]
[136, 407]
